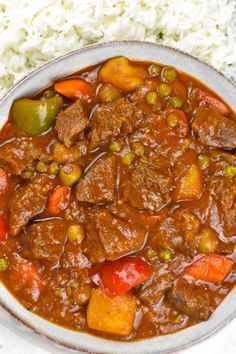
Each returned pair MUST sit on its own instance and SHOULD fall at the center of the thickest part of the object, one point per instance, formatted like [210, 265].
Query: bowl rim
[106, 43]
[12, 311]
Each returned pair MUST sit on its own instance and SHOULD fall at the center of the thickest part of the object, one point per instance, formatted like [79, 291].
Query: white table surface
[16, 339]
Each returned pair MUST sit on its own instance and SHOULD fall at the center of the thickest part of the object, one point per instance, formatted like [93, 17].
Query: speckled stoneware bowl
[62, 66]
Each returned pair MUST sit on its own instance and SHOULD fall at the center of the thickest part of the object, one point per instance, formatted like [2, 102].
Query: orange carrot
[152, 220]
[213, 268]
[31, 274]
[58, 200]
[183, 126]
[74, 88]
[212, 102]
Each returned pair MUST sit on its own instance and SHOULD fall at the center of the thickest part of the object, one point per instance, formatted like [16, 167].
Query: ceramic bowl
[65, 65]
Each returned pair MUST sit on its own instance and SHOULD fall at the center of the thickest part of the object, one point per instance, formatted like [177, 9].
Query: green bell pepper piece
[34, 116]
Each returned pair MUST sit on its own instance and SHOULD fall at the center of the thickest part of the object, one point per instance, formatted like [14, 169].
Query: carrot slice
[152, 220]
[212, 102]
[25, 276]
[31, 274]
[3, 228]
[183, 126]
[74, 88]
[213, 268]
[58, 200]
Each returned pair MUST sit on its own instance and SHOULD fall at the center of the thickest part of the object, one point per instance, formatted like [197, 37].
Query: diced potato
[62, 154]
[120, 73]
[114, 315]
[190, 184]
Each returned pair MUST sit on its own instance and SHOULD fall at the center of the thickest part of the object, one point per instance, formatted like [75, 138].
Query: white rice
[32, 32]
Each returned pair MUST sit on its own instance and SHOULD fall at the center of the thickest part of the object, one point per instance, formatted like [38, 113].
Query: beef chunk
[99, 183]
[111, 119]
[190, 299]
[153, 289]
[75, 212]
[109, 237]
[70, 123]
[148, 185]
[45, 241]
[213, 129]
[177, 231]
[28, 201]
[223, 190]
[167, 235]
[20, 154]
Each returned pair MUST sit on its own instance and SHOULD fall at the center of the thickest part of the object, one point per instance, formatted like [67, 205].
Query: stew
[118, 200]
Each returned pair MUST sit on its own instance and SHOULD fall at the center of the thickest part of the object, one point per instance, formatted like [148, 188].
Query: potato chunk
[114, 315]
[190, 185]
[120, 73]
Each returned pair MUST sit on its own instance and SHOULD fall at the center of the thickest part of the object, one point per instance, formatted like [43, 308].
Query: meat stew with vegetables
[118, 200]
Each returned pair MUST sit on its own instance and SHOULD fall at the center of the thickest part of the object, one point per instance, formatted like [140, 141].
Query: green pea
[4, 265]
[108, 93]
[169, 74]
[68, 291]
[53, 168]
[128, 158]
[59, 292]
[165, 90]
[41, 167]
[70, 174]
[230, 171]
[204, 161]
[179, 319]
[138, 148]
[172, 120]
[165, 255]
[75, 233]
[27, 174]
[74, 284]
[185, 143]
[151, 97]
[176, 102]
[154, 70]
[115, 146]
[208, 241]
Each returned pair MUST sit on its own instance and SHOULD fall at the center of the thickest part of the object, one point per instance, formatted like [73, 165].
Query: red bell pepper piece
[3, 228]
[58, 200]
[213, 268]
[117, 277]
[212, 102]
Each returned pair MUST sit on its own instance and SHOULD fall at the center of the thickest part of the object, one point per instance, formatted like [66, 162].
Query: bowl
[65, 65]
